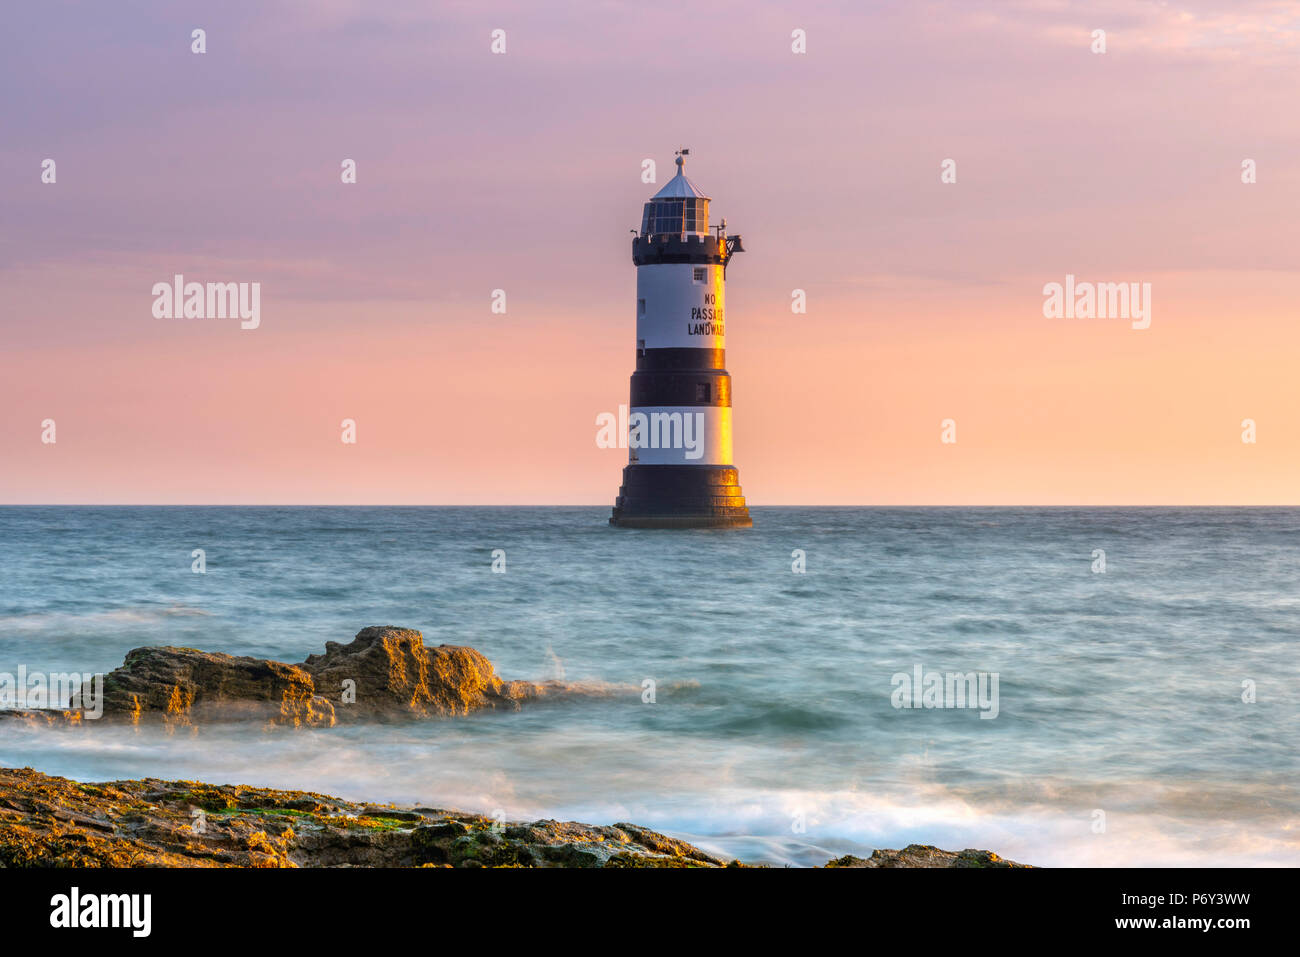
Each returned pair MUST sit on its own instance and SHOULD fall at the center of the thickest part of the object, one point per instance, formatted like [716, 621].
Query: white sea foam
[754, 823]
[81, 621]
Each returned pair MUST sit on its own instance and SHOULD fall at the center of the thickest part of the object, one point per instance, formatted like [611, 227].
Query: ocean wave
[68, 621]
[590, 688]
[540, 774]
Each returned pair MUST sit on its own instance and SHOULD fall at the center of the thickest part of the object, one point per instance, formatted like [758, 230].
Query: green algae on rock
[925, 855]
[55, 822]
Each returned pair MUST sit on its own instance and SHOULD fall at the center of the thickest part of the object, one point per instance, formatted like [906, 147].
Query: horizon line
[597, 505]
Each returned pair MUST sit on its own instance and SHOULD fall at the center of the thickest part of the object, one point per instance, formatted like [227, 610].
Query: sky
[522, 171]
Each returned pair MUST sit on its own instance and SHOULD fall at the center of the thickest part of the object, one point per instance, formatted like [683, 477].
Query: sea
[1135, 672]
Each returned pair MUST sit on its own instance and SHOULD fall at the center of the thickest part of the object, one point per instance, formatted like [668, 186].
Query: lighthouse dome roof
[680, 187]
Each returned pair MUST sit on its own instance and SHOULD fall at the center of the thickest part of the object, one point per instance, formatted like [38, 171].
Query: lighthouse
[680, 472]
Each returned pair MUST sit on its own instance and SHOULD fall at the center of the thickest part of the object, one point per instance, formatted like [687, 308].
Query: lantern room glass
[675, 217]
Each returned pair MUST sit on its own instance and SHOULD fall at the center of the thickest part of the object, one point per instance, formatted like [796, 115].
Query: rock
[183, 685]
[450, 829]
[54, 822]
[664, 845]
[925, 855]
[384, 674]
[394, 675]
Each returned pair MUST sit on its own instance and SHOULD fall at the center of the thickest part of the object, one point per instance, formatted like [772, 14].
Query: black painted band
[681, 388]
[652, 250]
[680, 496]
[671, 360]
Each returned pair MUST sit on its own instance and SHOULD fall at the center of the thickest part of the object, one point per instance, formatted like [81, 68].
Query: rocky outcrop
[388, 672]
[384, 674]
[925, 855]
[54, 822]
[184, 685]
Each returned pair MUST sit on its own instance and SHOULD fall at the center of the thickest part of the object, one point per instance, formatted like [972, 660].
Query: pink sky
[522, 172]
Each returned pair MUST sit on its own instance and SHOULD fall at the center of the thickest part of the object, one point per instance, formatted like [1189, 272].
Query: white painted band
[679, 435]
[677, 311]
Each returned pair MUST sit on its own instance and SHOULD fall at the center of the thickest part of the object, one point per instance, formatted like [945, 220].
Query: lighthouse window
[640, 307]
[702, 392]
[699, 274]
[673, 217]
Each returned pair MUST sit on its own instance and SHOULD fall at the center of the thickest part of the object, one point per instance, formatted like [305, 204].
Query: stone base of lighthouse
[680, 496]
